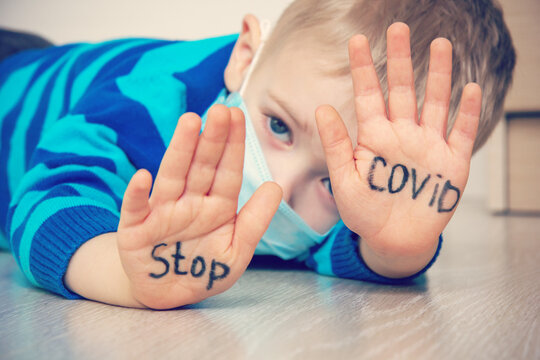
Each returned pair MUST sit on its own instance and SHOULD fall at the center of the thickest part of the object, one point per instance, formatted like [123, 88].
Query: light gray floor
[481, 300]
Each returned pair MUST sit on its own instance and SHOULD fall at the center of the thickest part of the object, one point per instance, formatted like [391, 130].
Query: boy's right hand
[186, 242]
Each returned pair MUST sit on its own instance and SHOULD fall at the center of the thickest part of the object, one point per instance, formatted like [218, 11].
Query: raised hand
[400, 184]
[186, 242]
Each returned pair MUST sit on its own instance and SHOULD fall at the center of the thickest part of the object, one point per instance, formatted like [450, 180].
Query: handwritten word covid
[399, 176]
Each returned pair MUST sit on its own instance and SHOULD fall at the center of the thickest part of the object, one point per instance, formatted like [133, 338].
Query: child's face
[281, 97]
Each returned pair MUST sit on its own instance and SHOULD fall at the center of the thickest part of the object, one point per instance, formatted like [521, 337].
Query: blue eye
[328, 185]
[279, 129]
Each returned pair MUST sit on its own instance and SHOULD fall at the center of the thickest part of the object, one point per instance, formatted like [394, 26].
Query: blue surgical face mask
[288, 236]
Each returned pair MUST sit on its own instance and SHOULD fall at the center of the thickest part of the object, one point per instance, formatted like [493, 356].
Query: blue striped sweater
[77, 121]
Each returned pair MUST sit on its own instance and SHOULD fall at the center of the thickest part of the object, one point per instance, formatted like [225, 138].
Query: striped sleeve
[72, 194]
[37, 88]
[64, 169]
[338, 255]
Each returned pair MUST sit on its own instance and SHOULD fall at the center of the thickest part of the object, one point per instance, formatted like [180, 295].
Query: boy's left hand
[399, 186]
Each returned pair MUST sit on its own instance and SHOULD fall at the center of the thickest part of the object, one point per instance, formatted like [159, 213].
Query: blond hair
[482, 46]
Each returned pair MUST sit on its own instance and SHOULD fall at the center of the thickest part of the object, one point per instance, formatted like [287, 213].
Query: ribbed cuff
[59, 237]
[347, 262]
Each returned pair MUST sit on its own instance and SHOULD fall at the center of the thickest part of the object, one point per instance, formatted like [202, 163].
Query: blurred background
[491, 178]
[96, 20]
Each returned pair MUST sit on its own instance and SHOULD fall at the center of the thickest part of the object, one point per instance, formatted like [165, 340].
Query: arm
[400, 185]
[72, 193]
[339, 255]
[95, 272]
[68, 204]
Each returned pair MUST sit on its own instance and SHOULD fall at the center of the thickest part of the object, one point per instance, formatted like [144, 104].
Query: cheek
[273, 156]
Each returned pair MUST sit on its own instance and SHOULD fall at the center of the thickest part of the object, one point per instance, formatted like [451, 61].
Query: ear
[243, 52]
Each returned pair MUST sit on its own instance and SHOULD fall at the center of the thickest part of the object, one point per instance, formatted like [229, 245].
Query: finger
[336, 144]
[401, 94]
[253, 220]
[463, 134]
[369, 99]
[438, 87]
[228, 178]
[171, 178]
[209, 150]
[135, 205]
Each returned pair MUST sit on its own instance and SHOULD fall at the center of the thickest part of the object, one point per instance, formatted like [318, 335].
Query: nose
[295, 180]
[295, 175]
[288, 181]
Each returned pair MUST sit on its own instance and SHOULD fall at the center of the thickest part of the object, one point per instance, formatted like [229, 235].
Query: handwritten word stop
[218, 270]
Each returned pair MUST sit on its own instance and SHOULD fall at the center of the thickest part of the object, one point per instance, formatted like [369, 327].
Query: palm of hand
[413, 191]
[186, 242]
[399, 186]
[169, 240]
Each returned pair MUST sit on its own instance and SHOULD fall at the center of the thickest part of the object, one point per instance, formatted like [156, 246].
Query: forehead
[302, 77]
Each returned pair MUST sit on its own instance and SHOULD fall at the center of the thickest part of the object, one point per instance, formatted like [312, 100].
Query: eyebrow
[287, 109]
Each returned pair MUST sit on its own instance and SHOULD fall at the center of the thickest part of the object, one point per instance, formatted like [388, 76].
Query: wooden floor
[481, 300]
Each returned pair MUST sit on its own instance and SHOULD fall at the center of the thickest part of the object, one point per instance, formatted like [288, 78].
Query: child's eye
[328, 185]
[279, 129]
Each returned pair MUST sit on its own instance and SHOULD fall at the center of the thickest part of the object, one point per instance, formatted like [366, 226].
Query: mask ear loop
[265, 33]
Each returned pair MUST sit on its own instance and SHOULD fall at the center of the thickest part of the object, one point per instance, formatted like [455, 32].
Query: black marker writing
[372, 171]
[194, 272]
[399, 177]
[213, 277]
[218, 270]
[404, 179]
[160, 259]
[415, 192]
[434, 196]
[177, 257]
[444, 192]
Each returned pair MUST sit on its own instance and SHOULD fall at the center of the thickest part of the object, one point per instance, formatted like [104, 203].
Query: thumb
[336, 143]
[135, 206]
[253, 220]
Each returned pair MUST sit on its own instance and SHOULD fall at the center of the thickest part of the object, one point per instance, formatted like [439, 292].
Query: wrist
[395, 265]
[95, 272]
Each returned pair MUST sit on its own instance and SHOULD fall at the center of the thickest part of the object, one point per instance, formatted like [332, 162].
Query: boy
[70, 159]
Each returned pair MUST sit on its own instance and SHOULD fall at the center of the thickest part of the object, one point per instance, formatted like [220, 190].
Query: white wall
[84, 20]
[77, 20]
